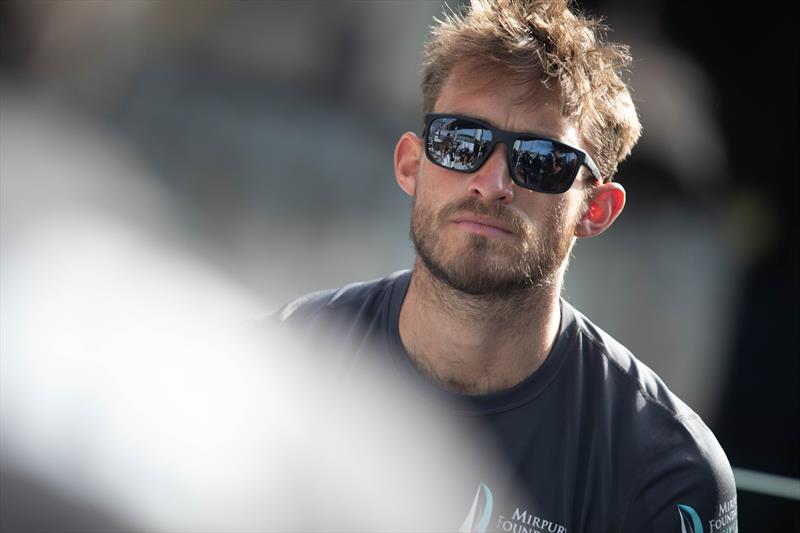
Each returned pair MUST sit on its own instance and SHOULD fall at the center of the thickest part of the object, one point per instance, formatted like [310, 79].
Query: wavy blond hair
[543, 41]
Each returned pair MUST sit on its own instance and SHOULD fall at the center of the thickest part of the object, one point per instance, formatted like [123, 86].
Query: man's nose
[492, 182]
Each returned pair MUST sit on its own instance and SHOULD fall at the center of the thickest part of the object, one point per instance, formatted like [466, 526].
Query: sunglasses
[535, 162]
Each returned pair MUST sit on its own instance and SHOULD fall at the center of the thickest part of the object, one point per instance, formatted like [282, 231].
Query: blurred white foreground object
[130, 382]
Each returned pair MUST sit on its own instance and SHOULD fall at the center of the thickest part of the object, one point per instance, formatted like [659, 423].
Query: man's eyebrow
[491, 123]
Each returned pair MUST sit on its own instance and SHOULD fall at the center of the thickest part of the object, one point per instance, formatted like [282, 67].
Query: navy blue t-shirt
[594, 437]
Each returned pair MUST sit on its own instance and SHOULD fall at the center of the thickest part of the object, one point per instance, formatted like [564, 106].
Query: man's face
[480, 233]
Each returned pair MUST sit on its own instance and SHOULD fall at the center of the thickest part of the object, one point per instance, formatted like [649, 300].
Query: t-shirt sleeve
[686, 487]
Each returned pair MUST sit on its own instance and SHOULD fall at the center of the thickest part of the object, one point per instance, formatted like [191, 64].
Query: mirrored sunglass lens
[543, 165]
[457, 144]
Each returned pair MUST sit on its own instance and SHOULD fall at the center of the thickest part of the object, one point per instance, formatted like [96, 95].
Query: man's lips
[483, 224]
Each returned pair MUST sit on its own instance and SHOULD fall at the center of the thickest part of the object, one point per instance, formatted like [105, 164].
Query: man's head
[518, 66]
[542, 42]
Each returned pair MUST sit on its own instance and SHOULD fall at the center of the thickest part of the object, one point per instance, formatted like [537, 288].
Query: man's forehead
[506, 100]
[476, 77]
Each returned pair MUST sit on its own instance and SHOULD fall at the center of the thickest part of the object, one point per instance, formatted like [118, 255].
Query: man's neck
[477, 344]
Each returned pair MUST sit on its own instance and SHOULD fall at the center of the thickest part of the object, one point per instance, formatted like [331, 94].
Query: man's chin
[478, 276]
[483, 252]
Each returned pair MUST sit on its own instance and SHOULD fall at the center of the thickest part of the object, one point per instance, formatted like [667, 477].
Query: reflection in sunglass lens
[458, 144]
[543, 165]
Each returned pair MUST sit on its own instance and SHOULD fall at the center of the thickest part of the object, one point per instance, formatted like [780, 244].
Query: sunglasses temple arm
[589, 162]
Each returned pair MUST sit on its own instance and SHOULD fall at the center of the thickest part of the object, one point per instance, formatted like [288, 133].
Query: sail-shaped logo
[690, 521]
[480, 513]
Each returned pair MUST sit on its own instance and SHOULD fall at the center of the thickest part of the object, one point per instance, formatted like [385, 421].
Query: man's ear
[407, 158]
[601, 209]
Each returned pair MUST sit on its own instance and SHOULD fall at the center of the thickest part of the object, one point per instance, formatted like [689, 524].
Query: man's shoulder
[663, 430]
[350, 299]
[658, 418]
[627, 372]
[662, 434]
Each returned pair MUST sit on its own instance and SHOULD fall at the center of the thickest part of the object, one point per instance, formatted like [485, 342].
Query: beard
[486, 266]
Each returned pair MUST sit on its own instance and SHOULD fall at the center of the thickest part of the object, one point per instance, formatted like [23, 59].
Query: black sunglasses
[535, 162]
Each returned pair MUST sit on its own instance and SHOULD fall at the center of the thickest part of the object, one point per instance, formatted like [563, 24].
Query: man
[593, 436]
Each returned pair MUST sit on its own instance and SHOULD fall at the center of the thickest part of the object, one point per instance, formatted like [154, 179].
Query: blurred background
[260, 136]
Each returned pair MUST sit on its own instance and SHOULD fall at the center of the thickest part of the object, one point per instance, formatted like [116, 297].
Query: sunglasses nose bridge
[498, 143]
[505, 148]
[507, 140]
[492, 179]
